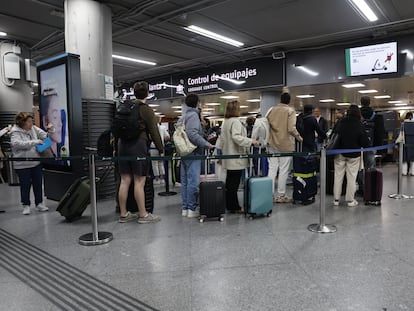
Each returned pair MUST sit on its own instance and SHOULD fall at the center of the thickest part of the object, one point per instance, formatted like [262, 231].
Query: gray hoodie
[194, 129]
[23, 145]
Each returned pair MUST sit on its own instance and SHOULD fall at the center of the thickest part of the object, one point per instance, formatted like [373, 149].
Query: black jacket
[323, 124]
[351, 136]
[310, 126]
[379, 128]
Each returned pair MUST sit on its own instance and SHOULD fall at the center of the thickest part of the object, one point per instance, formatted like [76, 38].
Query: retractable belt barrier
[95, 237]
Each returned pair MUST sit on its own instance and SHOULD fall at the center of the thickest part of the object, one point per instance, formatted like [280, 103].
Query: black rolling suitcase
[212, 199]
[149, 196]
[305, 185]
[75, 200]
[373, 187]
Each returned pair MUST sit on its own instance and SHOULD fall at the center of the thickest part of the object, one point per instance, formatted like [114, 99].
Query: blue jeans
[27, 178]
[190, 179]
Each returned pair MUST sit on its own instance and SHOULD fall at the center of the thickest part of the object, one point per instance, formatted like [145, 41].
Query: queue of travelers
[277, 132]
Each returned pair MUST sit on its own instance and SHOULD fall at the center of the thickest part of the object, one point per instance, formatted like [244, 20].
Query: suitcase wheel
[269, 213]
[201, 220]
[221, 219]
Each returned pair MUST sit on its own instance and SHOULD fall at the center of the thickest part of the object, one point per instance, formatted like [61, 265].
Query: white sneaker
[353, 203]
[184, 212]
[193, 214]
[336, 202]
[157, 182]
[42, 208]
[26, 210]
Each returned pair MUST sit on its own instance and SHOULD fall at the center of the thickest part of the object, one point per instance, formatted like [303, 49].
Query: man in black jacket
[323, 125]
[310, 128]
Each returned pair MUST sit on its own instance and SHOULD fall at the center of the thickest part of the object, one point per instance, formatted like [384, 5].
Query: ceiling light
[244, 107]
[3, 34]
[408, 53]
[367, 91]
[157, 113]
[328, 100]
[395, 101]
[253, 112]
[400, 104]
[176, 107]
[213, 35]
[154, 105]
[213, 104]
[352, 85]
[254, 100]
[382, 96]
[343, 104]
[308, 71]
[177, 111]
[305, 96]
[229, 97]
[208, 109]
[365, 10]
[136, 60]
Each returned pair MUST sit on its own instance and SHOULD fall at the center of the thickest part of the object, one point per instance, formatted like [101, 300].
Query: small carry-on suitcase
[258, 195]
[373, 187]
[305, 185]
[149, 196]
[212, 199]
[75, 200]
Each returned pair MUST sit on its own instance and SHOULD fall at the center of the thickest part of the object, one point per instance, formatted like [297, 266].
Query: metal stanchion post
[322, 227]
[96, 237]
[167, 184]
[399, 195]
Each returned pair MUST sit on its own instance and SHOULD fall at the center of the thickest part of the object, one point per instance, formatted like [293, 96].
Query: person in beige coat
[282, 135]
[234, 140]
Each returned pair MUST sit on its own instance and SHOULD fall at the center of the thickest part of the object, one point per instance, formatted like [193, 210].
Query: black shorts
[135, 148]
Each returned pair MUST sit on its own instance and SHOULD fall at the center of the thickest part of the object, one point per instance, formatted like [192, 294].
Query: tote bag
[183, 145]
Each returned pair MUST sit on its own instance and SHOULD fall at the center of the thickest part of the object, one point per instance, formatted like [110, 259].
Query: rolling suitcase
[373, 187]
[258, 195]
[305, 185]
[212, 199]
[149, 196]
[75, 200]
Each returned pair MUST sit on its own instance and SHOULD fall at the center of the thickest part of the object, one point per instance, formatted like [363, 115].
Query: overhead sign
[371, 59]
[242, 76]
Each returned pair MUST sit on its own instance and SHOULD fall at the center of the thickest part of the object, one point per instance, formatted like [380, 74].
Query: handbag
[333, 142]
[182, 143]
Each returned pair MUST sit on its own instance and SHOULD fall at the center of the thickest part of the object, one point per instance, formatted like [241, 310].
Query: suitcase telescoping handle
[259, 159]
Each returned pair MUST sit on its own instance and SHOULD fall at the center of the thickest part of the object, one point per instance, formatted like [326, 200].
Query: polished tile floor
[240, 264]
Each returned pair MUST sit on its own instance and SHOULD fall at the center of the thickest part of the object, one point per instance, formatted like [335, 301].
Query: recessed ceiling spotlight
[367, 91]
[254, 100]
[343, 104]
[382, 96]
[213, 104]
[395, 101]
[400, 104]
[328, 100]
[352, 85]
[213, 35]
[253, 112]
[153, 105]
[305, 96]
[229, 97]
[244, 106]
[176, 107]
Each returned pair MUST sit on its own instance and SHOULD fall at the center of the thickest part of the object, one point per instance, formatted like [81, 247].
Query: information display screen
[371, 59]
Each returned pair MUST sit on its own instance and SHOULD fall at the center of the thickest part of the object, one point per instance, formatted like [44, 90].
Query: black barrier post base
[167, 191]
[322, 228]
[399, 196]
[89, 240]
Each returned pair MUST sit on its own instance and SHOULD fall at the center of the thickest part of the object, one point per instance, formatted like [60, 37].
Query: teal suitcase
[258, 196]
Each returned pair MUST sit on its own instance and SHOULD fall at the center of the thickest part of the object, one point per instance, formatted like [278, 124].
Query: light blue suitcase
[258, 196]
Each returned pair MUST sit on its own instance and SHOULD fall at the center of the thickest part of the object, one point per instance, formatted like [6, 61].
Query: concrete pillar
[88, 33]
[267, 100]
[15, 95]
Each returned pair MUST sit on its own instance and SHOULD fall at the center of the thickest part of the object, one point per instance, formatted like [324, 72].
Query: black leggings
[232, 185]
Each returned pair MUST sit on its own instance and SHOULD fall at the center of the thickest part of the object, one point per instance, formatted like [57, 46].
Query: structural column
[268, 100]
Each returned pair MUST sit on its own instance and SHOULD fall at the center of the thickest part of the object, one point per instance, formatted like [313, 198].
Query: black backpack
[369, 127]
[127, 123]
[105, 144]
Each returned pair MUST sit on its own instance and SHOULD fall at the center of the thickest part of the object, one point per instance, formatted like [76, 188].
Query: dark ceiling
[153, 29]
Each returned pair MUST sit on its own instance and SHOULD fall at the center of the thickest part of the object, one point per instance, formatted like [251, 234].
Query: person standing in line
[323, 125]
[158, 166]
[310, 127]
[339, 114]
[190, 169]
[282, 135]
[24, 137]
[138, 169]
[234, 140]
[351, 136]
[408, 158]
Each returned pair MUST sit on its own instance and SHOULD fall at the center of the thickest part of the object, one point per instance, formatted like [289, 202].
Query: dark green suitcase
[75, 200]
